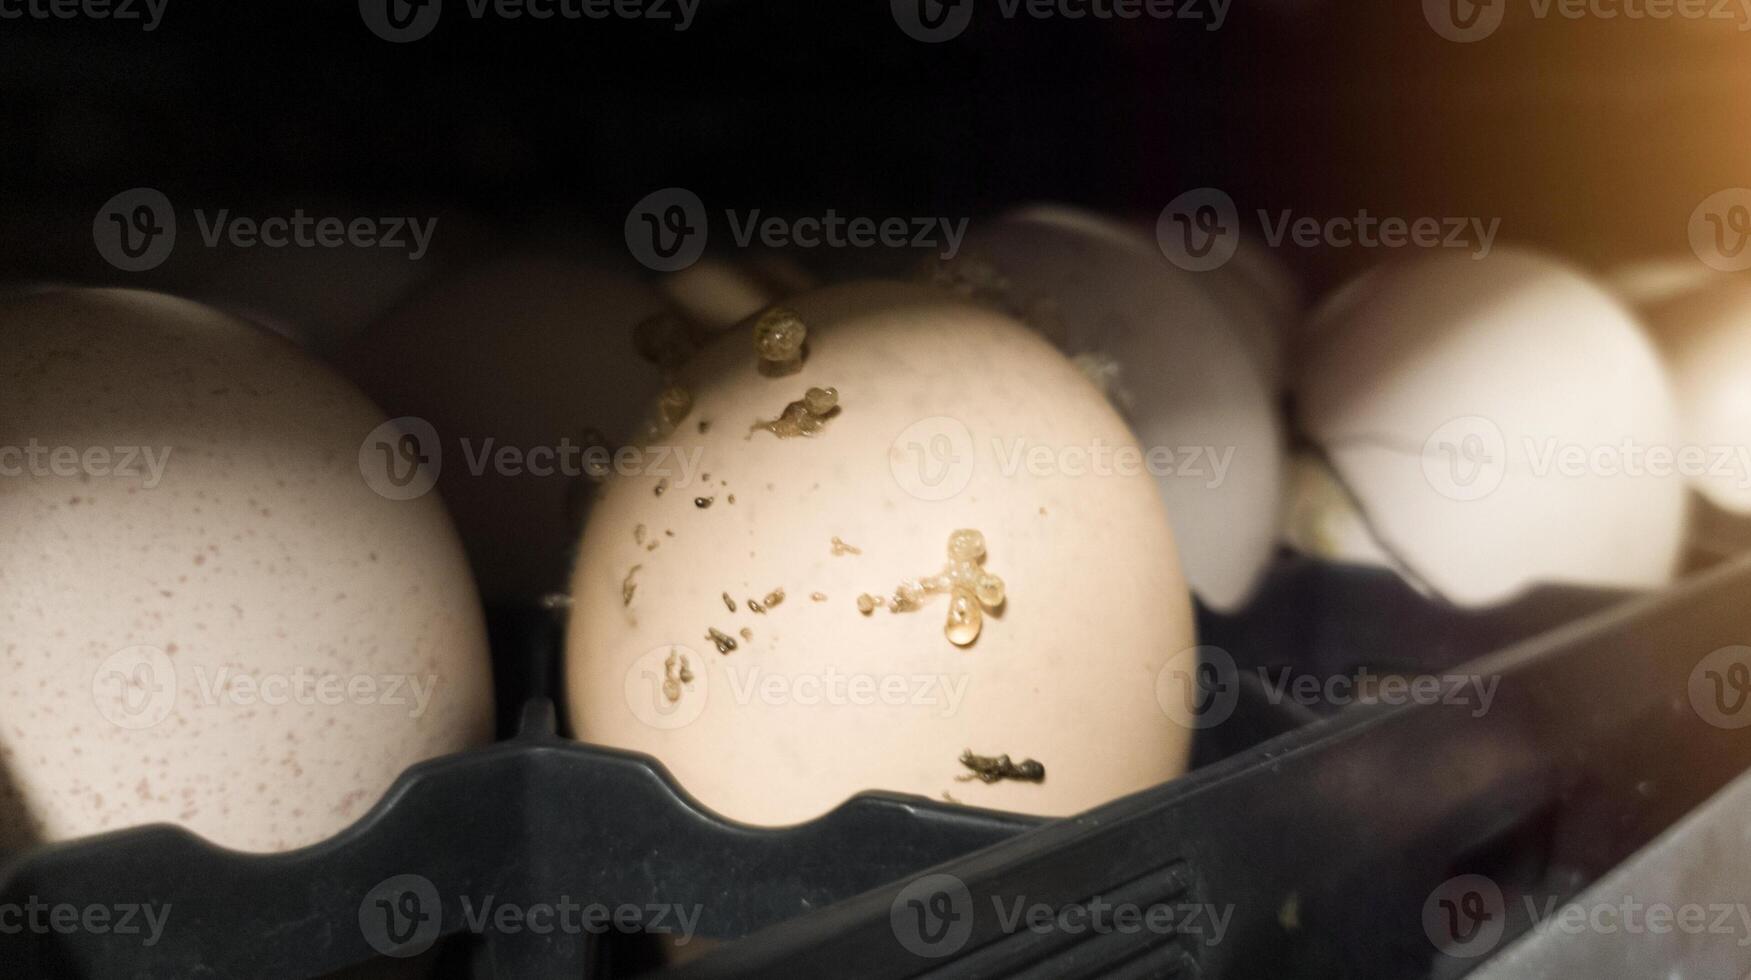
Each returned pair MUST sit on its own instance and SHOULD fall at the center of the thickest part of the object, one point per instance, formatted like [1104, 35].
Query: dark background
[1594, 138]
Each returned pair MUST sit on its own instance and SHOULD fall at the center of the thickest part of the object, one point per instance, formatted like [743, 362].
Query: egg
[715, 294]
[1263, 302]
[853, 571]
[1499, 424]
[1705, 336]
[526, 369]
[208, 616]
[1654, 280]
[1181, 370]
[317, 297]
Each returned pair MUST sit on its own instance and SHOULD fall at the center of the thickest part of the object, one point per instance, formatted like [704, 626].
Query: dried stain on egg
[782, 341]
[970, 588]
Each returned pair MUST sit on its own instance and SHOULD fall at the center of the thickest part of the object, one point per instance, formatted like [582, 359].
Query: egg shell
[717, 293]
[1521, 358]
[1650, 281]
[1063, 673]
[1705, 336]
[257, 554]
[521, 356]
[1181, 372]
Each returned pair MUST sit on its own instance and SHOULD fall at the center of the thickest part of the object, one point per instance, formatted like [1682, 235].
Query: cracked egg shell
[935, 396]
[525, 355]
[1179, 367]
[155, 618]
[1451, 396]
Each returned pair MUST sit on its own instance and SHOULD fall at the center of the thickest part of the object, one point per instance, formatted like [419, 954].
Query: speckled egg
[891, 541]
[208, 616]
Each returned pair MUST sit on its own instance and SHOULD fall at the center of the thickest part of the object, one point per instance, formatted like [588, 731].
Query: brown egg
[904, 553]
[519, 367]
[207, 614]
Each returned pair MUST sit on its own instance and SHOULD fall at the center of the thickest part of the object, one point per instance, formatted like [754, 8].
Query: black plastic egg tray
[1316, 837]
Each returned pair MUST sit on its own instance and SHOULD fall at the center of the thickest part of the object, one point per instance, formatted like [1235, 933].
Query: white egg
[949, 416]
[1494, 419]
[1178, 367]
[208, 616]
[1262, 300]
[1705, 335]
[518, 366]
[716, 294]
[1656, 280]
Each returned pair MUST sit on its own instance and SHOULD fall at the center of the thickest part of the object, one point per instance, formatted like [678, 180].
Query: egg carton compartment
[1321, 836]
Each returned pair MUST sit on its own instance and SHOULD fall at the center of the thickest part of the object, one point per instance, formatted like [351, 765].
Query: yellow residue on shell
[806, 416]
[779, 336]
[676, 672]
[971, 589]
[628, 586]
